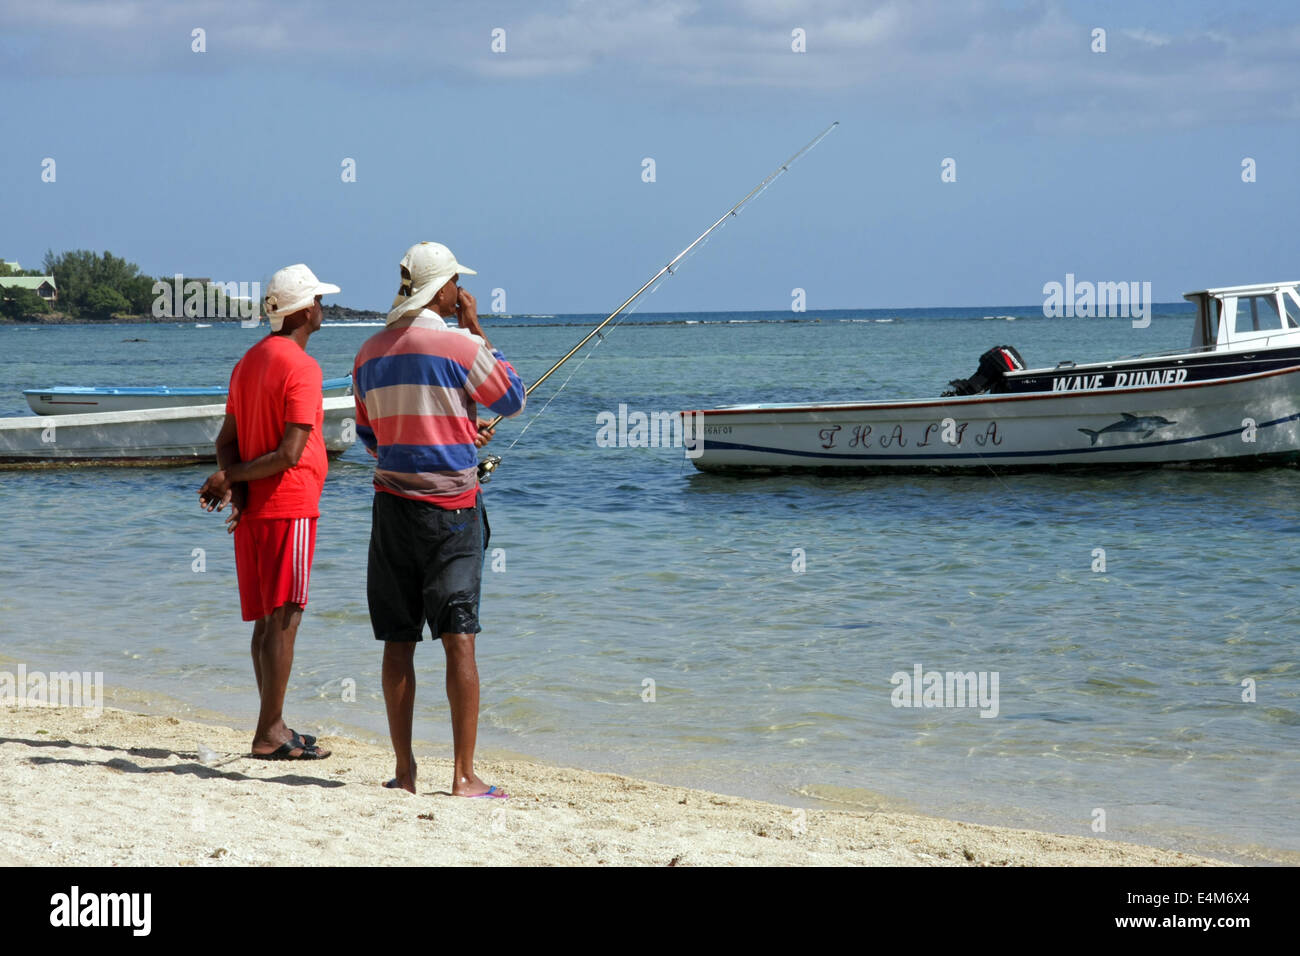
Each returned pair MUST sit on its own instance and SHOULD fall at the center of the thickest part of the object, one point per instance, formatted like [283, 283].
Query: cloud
[1031, 62]
[1146, 36]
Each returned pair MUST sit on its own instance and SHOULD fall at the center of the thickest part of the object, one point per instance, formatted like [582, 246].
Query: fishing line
[490, 463]
[600, 339]
[591, 351]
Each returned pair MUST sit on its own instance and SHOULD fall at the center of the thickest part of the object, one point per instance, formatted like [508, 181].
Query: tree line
[90, 285]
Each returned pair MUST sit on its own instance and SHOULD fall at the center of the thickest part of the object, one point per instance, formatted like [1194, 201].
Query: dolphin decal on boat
[1147, 425]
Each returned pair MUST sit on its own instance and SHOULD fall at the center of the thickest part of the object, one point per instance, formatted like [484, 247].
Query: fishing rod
[490, 462]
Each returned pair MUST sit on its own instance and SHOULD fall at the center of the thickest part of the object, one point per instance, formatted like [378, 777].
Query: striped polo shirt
[418, 387]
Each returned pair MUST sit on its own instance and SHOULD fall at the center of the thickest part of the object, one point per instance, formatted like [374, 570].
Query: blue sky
[1115, 166]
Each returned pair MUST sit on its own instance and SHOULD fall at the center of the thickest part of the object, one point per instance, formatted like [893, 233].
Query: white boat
[1249, 418]
[70, 400]
[156, 436]
[1232, 398]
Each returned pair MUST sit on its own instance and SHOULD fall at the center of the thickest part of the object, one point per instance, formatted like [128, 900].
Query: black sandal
[286, 751]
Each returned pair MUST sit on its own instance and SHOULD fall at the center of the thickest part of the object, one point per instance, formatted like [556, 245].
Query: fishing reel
[486, 466]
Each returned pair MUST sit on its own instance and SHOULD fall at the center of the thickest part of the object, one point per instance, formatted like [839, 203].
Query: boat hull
[170, 436]
[65, 400]
[1238, 421]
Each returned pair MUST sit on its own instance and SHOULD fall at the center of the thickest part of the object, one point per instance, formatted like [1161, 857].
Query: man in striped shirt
[418, 384]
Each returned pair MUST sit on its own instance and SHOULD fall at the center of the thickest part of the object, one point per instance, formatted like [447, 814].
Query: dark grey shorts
[426, 564]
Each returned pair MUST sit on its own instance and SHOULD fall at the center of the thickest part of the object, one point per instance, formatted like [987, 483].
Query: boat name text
[948, 431]
[1080, 383]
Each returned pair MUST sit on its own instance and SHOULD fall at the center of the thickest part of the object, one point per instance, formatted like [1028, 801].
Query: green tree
[72, 275]
[139, 292]
[8, 270]
[102, 301]
[80, 272]
[20, 303]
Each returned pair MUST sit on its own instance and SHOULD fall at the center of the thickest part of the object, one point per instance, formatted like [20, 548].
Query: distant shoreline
[59, 318]
[338, 315]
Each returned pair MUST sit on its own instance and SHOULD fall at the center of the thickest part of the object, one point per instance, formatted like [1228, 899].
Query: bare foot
[403, 781]
[472, 786]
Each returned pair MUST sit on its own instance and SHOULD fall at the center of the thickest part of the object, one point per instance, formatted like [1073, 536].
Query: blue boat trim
[329, 383]
[736, 446]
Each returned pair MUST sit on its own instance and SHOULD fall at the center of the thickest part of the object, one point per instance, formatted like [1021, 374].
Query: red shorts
[273, 563]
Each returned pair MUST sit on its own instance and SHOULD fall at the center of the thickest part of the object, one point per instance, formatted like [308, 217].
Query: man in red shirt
[271, 469]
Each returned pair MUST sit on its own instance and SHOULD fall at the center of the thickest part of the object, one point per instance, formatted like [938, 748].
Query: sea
[756, 636]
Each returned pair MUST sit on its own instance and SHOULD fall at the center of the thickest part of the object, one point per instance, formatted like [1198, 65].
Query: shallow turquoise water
[1118, 690]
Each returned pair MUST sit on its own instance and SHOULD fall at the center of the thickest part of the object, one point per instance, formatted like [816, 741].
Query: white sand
[129, 789]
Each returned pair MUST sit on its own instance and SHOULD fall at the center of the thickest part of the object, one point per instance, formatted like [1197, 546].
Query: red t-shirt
[275, 383]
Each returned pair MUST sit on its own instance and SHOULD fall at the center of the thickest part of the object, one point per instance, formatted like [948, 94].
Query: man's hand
[467, 314]
[484, 434]
[238, 501]
[216, 491]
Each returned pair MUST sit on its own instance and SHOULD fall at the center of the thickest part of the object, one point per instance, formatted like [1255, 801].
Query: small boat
[68, 400]
[179, 435]
[1232, 398]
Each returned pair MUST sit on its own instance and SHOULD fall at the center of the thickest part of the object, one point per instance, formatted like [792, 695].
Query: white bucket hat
[292, 288]
[426, 267]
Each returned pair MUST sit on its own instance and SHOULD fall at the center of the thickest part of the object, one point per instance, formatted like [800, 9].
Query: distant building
[42, 285]
[12, 265]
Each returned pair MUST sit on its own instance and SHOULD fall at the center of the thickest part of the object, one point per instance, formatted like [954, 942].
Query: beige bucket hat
[426, 267]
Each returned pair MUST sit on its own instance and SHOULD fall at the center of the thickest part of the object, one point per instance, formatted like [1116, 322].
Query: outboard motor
[991, 375]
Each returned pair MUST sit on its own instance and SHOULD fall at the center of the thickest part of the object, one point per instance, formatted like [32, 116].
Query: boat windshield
[1257, 313]
[1291, 302]
[1246, 317]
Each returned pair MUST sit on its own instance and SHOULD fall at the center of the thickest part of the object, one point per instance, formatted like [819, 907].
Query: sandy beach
[130, 789]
